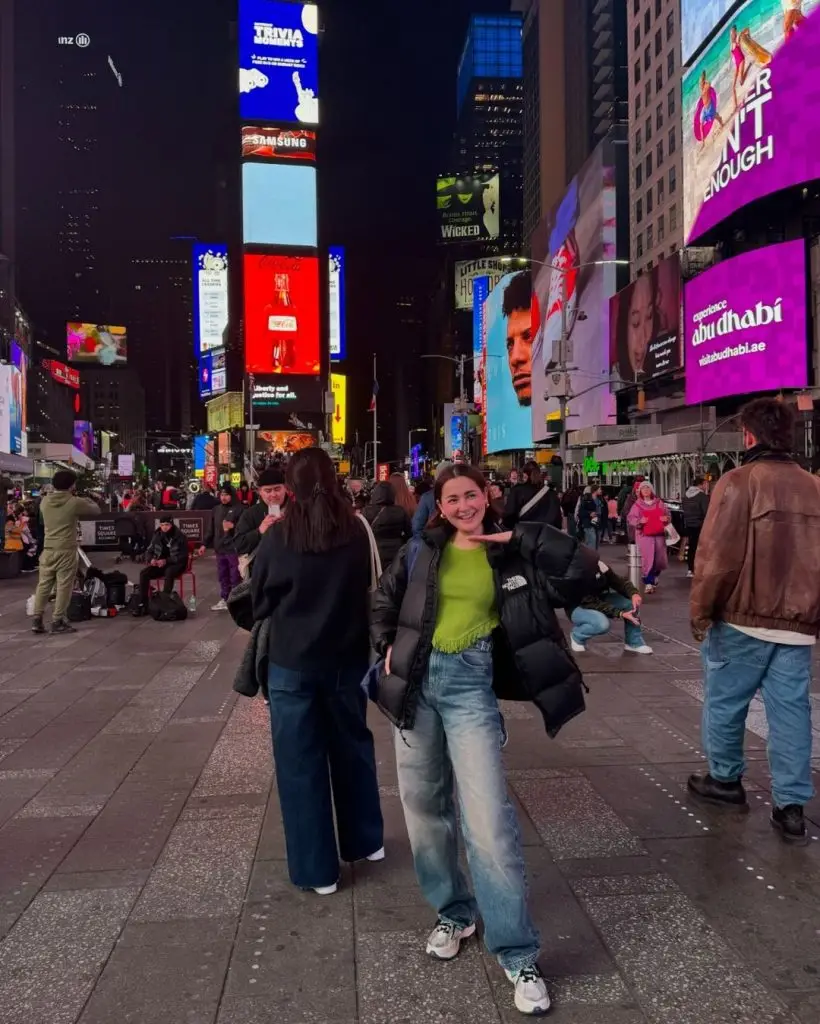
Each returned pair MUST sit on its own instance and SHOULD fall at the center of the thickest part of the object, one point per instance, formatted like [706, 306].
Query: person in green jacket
[614, 598]
[60, 512]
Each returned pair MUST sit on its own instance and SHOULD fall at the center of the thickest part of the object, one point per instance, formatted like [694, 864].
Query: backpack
[79, 607]
[164, 607]
[94, 590]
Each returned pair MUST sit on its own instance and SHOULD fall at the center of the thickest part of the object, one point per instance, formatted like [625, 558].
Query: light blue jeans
[456, 739]
[735, 667]
[591, 537]
[589, 623]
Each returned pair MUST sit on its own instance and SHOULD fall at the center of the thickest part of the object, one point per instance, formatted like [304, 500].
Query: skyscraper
[7, 197]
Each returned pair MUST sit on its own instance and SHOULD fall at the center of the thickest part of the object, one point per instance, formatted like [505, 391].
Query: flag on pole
[374, 396]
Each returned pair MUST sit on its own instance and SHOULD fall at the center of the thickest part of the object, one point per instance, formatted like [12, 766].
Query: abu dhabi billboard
[577, 244]
[751, 111]
[210, 297]
[282, 314]
[278, 62]
[467, 272]
[337, 303]
[469, 208]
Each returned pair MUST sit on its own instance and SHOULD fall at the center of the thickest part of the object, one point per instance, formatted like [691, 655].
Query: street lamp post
[460, 362]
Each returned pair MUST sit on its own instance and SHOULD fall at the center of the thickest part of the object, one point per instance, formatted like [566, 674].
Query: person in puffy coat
[463, 617]
[390, 524]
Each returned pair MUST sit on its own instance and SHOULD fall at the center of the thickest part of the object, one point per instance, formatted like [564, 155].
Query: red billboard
[278, 143]
[63, 374]
[282, 314]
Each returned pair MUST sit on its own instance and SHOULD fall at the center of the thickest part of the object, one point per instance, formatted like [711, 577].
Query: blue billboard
[210, 297]
[212, 374]
[337, 303]
[481, 289]
[509, 363]
[278, 62]
[201, 442]
[279, 205]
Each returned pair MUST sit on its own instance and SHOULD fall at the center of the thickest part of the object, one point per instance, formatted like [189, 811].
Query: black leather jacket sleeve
[385, 604]
[567, 570]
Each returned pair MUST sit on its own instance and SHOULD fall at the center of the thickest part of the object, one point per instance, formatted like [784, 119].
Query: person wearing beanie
[167, 558]
[221, 536]
[258, 519]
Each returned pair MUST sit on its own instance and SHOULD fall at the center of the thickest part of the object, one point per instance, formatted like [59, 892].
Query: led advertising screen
[63, 374]
[466, 274]
[97, 344]
[278, 62]
[212, 374]
[572, 241]
[84, 437]
[11, 411]
[279, 205]
[201, 442]
[509, 332]
[644, 329]
[18, 406]
[289, 394]
[210, 297]
[469, 208]
[481, 289]
[337, 304]
[278, 143]
[697, 19]
[287, 441]
[751, 112]
[338, 431]
[746, 324]
[282, 314]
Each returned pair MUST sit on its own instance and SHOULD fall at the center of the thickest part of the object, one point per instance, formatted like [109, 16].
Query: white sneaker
[649, 588]
[690, 575]
[326, 890]
[531, 996]
[578, 648]
[643, 649]
[220, 606]
[378, 855]
[446, 938]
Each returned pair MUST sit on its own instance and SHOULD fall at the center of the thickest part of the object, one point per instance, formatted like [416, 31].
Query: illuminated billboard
[212, 374]
[573, 242]
[508, 312]
[481, 289]
[84, 437]
[282, 314]
[287, 441]
[337, 304]
[644, 325]
[18, 404]
[210, 297]
[288, 394]
[96, 344]
[278, 143]
[12, 433]
[697, 19]
[467, 272]
[746, 324]
[469, 208]
[62, 374]
[278, 62]
[201, 442]
[279, 205]
[751, 112]
[338, 426]
[226, 412]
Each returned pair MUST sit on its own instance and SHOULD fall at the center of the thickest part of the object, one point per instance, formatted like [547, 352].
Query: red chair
[155, 585]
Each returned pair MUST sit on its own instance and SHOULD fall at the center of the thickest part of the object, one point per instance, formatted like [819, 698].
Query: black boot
[37, 624]
[790, 824]
[722, 794]
[62, 626]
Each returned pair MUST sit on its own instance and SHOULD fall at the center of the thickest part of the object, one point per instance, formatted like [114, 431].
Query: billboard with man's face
[508, 313]
[469, 208]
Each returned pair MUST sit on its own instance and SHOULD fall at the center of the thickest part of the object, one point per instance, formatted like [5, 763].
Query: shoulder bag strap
[533, 501]
[375, 558]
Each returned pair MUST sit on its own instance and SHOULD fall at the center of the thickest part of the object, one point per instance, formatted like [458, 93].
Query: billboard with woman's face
[644, 335]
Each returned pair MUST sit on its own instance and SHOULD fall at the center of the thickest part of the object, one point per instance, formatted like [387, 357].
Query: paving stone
[242, 761]
[68, 881]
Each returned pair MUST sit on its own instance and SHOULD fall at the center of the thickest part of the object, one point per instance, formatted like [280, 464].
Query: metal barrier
[635, 571]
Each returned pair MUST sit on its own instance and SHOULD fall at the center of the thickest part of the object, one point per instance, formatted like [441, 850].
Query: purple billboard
[751, 111]
[745, 324]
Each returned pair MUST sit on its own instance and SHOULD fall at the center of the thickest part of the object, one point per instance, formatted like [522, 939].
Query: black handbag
[240, 605]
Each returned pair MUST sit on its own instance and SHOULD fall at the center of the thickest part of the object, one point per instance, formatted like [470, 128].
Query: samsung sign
[278, 62]
[210, 297]
[336, 304]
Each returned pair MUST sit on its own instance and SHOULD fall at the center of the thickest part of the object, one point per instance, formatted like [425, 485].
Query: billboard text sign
[210, 296]
[469, 208]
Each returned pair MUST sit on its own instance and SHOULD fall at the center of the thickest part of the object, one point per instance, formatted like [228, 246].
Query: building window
[673, 180]
[638, 106]
[639, 244]
[673, 140]
[661, 190]
[659, 79]
[648, 129]
[639, 211]
[670, 25]
[661, 229]
[658, 6]
[650, 236]
[647, 58]
[658, 43]
[636, 7]
[650, 265]
[659, 116]
[647, 92]
[650, 201]
[670, 102]
[673, 217]
[637, 71]
[637, 35]
[647, 21]
[638, 141]
[659, 153]
[648, 166]
[638, 174]
[670, 64]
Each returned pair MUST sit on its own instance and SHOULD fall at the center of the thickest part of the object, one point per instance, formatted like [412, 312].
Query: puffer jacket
[539, 570]
[171, 546]
[695, 507]
[390, 524]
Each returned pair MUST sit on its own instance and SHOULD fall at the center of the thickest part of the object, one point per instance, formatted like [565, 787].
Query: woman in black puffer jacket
[390, 524]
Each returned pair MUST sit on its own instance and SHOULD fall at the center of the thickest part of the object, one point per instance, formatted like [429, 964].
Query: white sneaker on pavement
[643, 649]
[578, 648]
[531, 995]
[445, 939]
[326, 890]
[377, 856]
[690, 575]
[220, 606]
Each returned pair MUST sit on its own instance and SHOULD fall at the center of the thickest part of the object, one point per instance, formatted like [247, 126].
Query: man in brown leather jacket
[755, 603]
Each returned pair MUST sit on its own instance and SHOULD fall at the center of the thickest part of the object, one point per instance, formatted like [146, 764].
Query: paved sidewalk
[142, 874]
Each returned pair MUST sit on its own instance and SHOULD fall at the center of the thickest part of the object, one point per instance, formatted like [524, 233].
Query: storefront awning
[687, 442]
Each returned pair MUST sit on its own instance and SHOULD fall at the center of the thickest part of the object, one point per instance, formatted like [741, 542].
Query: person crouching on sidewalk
[615, 598]
[221, 537]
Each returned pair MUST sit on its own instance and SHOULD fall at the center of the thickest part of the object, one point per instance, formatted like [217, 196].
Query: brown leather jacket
[758, 561]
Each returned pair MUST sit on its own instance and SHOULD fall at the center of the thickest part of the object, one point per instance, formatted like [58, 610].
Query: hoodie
[60, 511]
[695, 507]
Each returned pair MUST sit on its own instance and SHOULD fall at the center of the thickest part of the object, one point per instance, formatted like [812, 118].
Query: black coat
[224, 542]
[247, 535]
[548, 509]
[540, 570]
[172, 546]
[389, 522]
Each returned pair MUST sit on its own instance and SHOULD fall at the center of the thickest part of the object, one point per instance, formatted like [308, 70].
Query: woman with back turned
[311, 579]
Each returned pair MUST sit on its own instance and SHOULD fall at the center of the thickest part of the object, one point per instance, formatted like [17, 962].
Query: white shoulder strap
[375, 558]
[533, 501]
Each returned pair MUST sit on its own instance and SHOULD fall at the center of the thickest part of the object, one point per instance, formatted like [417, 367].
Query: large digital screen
[509, 331]
[210, 297]
[481, 289]
[12, 432]
[18, 409]
[745, 323]
[278, 62]
[279, 204]
[282, 314]
[278, 143]
[84, 437]
[577, 244]
[751, 112]
[469, 208]
[287, 395]
[337, 302]
[62, 374]
[97, 344]
[287, 441]
[212, 374]
[201, 442]
[697, 19]
[467, 272]
[338, 426]
[644, 331]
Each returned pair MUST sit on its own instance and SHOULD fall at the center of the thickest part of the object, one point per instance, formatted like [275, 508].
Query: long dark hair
[317, 518]
[454, 473]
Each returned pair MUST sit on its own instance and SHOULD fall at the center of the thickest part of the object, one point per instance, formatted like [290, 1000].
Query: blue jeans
[456, 739]
[322, 745]
[589, 623]
[591, 536]
[736, 666]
